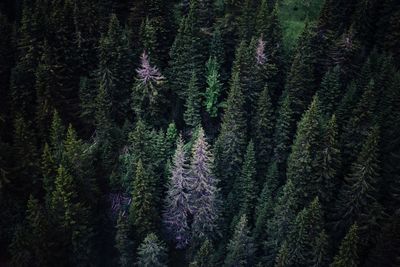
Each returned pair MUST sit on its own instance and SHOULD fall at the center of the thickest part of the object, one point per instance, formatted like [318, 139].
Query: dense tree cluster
[193, 133]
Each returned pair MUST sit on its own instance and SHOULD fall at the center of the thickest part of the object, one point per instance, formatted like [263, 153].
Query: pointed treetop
[147, 73]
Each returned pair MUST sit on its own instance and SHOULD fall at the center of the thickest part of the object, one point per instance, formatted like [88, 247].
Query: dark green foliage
[242, 198]
[143, 210]
[192, 114]
[240, 250]
[263, 126]
[152, 252]
[303, 161]
[330, 92]
[214, 87]
[358, 197]
[231, 141]
[348, 254]
[123, 242]
[204, 256]
[304, 234]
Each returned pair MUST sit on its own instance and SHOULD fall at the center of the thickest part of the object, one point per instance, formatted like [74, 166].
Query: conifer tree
[265, 204]
[302, 238]
[329, 93]
[231, 142]
[71, 218]
[214, 87]
[303, 161]
[204, 257]
[152, 252]
[348, 254]
[204, 194]
[242, 198]
[357, 127]
[192, 114]
[26, 166]
[282, 221]
[171, 137]
[148, 92]
[123, 242]
[358, 197]
[143, 212]
[115, 68]
[177, 203]
[283, 133]
[57, 136]
[301, 81]
[329, 164]
[48, 170]
[263, 126]
[39, 227]
[240, 249]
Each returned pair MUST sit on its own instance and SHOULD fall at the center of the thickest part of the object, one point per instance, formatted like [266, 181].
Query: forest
[200, 133]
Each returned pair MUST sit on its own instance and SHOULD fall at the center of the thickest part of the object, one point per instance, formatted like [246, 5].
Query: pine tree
[320, 250]
[214, 87]
[358, 197]
[204, 194]
[263, 126]
[231, 142]
[348, 254]
[143, 212]
[303, 161]
[171, 137]
[123, 242]
[240, 249]
[192, 114]
[177, 203]
[152, 252]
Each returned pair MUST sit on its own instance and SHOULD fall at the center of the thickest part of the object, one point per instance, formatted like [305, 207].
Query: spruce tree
[358, 197]
[152, 252]
[148, 92]
[204, 256]
[263, 126]
[348, 251]
[115, 68]
[214, 87]
[240, 249]
[282, 220]
[302, 238]
[283, 134]
[143, 211]
[192, 114]
[177, 203]
[123, 243]
[329, 164]
[231, 142]
[329, 93]
[303, 161]
[242, 198]
[264, 210]
[204, 194]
